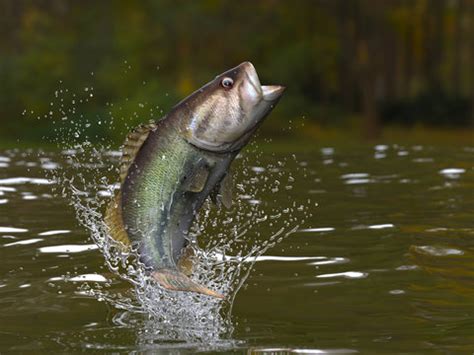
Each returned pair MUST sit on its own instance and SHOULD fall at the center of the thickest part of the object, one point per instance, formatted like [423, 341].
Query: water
[384, 260]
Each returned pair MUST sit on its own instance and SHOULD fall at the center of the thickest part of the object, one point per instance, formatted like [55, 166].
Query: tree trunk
[471, 57]
[457, 42]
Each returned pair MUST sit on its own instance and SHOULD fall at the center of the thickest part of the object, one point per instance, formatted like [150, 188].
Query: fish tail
[177, 281]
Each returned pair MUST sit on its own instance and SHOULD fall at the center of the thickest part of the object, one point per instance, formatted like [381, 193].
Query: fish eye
[227, 82]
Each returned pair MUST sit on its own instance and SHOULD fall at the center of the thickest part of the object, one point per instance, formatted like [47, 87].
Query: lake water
[385, 263]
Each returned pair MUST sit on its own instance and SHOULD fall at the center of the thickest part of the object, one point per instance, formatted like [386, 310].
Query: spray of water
[226, 243]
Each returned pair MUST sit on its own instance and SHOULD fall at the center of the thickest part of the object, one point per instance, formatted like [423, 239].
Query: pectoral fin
[223, 192]
[197, 181]
[226, 190]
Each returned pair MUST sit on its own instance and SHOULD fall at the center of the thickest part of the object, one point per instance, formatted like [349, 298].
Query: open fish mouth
[269, 92]
[272, 92]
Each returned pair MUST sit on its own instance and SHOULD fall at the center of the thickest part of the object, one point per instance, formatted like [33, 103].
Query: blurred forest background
[358, 66]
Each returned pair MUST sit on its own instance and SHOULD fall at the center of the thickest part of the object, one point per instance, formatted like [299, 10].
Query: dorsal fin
[132, 145]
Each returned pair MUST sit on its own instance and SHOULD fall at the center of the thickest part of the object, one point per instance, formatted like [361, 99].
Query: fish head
[223, 114]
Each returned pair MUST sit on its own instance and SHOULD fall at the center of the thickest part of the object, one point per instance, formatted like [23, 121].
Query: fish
[170, 166]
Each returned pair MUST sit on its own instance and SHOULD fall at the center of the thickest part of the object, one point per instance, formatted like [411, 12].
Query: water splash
[226, 243]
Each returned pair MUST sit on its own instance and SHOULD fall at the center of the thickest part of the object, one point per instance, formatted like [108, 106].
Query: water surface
[386, 262]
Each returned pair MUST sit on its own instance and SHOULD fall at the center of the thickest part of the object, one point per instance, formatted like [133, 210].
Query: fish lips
[269, 92]
[272, 93]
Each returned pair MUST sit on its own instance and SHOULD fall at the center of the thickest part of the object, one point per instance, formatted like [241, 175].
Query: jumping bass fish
[171, 166]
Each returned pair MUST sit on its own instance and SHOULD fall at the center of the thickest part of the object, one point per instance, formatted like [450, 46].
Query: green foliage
[338, 59]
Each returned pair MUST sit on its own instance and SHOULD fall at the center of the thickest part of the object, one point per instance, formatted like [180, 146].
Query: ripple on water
[301, 351]
[452, 173]
[317, 230]
[7, 189]
[381, 147]
[356, 178]
[55, 232]
[346, 275]
[26, 180]
[381, 226]
[12, 230]
[329, 261]
[373, 226]
[81, 278]
[327, 151]
[24, 242]
[436, 250]
[49, 165]
[221, 257]
[68, 248]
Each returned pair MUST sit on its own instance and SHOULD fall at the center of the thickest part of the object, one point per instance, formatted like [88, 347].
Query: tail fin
[177, 281]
